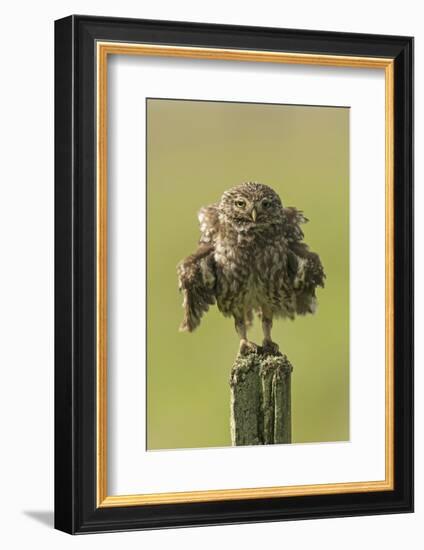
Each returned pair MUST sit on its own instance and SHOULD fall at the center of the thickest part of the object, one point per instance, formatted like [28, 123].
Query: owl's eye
[266, 203]
[240, 203]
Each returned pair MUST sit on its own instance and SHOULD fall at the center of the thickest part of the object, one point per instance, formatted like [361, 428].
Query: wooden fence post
[260, 400]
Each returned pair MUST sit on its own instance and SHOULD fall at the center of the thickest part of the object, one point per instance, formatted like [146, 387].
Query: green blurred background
[195, 151]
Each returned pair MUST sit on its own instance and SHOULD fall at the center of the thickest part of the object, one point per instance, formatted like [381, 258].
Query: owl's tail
[249, 318]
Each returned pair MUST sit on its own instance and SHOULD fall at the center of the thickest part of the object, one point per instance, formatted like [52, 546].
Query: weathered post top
[260, 399]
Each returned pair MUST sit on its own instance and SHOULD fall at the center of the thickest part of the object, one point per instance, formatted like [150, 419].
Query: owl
[251, 258]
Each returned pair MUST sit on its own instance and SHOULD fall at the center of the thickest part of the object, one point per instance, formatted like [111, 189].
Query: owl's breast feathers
[270, 267]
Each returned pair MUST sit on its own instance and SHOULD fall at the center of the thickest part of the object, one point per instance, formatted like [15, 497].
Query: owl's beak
[253, 214]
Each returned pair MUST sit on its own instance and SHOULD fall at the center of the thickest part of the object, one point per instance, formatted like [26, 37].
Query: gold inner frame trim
[104, 49]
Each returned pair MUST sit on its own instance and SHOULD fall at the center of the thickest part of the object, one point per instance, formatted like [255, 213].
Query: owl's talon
[246, 347]
[270, 348]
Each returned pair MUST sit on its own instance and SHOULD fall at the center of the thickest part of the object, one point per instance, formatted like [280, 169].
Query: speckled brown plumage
[251, 258]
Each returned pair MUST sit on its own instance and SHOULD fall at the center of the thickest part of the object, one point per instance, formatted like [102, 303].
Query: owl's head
[250, 205]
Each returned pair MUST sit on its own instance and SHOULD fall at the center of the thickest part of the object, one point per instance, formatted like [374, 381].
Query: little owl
[251, 258]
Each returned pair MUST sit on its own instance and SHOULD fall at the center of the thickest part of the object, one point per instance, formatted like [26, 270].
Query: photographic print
[247, 273]
[233, 266]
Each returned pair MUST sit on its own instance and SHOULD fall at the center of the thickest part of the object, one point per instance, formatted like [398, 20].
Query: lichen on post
[275, 372]
[260, 399]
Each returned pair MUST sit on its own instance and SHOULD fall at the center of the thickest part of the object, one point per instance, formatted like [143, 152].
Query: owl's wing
[293, 218]
[196, 278]
[304, 266]
[307, 267]
[209, 223]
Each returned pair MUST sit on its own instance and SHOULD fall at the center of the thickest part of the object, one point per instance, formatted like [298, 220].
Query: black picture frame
[76, 508]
